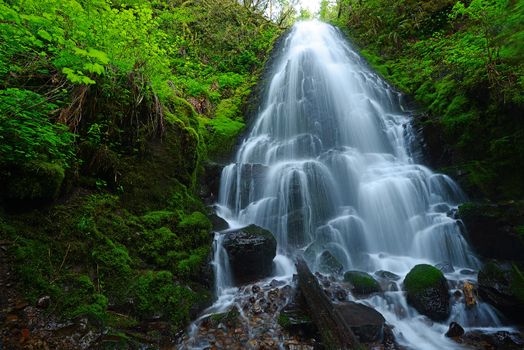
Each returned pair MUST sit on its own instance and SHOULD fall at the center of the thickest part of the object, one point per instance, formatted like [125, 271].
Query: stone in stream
[455, 330]
[386, 275]
[428, 292]
[251, 251]
[363, 283]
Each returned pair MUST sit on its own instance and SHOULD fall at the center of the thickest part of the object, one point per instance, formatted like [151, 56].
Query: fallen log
[334, 331]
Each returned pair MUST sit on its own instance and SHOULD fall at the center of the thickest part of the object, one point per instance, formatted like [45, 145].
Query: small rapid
[329, 165]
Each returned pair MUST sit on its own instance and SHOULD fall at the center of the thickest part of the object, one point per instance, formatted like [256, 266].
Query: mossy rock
[363, 283]
[427, 291]
[35, 181]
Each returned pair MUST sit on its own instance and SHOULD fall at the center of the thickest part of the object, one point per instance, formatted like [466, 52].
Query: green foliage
[422, 277]
[121, 100]
[26, 132]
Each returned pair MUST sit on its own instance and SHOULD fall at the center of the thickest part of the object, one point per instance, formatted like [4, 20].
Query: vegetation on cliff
[463, 61]
[108, 112]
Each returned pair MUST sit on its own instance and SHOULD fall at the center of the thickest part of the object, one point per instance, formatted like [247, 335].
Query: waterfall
[328, 166]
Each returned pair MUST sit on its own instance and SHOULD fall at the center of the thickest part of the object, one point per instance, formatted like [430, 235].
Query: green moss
[421, 277]
[157, 218]
[196, 220]
[36, 180]
[362, 282]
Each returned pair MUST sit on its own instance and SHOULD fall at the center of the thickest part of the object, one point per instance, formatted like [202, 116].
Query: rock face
[251, 251]
[428, 292]
[493, 229]
[362, 282]
[502, 285]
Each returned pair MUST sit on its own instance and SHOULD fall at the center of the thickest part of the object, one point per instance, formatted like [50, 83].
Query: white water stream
[327, 166]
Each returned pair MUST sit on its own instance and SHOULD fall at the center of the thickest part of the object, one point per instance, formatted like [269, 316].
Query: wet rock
[502, 285]
[386, 275]
[217, 223]
[492, 228]
[276, 283]
[365, 322]
[427, 291]
[251, 251]
[467, 272]
[328, 263]
[455, 330]
[445, 267]
[501, 340]
[229, 318]
[363, 283]
[340, 294]
[255, 289]
[389, 342]
[296, 222]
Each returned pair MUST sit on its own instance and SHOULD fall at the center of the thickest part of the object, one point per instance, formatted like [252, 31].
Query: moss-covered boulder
[362, 283]
[496, 231]
[34, 181]
[502, 285]
[427, 291]
[251, 251]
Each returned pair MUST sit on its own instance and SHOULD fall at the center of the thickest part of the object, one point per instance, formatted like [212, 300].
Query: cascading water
[327, 166]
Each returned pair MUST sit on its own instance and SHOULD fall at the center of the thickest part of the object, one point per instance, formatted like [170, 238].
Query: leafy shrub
[26, 133]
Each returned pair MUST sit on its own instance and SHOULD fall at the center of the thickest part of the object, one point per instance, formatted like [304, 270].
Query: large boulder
[428, 292]
[362, 283]
[251, 251]
[502, 285]
[365, 322]
[495, 230]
